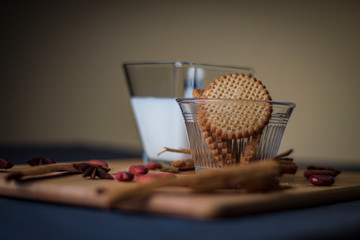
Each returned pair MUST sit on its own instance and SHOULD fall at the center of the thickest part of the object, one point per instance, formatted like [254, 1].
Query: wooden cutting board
[179, 201]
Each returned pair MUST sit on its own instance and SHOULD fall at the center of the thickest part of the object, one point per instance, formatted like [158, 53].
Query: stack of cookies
[232, 123]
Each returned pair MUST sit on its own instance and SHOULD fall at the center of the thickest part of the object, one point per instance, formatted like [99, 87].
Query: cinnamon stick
[185, 151]
[284, 154]
[287, 166]
[260, 176]
[40, 170]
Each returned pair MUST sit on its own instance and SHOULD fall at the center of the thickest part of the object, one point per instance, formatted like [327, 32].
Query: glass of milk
[153, 88]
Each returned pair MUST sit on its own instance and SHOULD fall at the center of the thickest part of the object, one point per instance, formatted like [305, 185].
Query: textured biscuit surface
[222, 122]
[230, 119]
[234, 119]
[234, 86]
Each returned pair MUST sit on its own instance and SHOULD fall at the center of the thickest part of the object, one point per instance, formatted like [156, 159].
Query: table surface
[22, 219]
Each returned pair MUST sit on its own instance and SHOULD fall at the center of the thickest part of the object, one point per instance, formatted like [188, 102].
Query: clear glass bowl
[234, 149]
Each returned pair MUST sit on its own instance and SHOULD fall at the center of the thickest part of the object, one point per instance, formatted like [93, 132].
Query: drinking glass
[153, 89]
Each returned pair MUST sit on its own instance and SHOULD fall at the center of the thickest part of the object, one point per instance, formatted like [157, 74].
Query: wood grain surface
[179, 201]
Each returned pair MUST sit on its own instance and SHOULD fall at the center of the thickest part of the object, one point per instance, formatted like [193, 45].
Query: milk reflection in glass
[160, 124]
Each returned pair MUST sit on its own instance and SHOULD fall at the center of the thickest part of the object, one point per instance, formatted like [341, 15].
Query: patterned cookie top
[234, 119]
[234, 86]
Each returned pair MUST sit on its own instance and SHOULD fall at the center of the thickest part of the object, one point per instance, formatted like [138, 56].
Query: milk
[160, 125]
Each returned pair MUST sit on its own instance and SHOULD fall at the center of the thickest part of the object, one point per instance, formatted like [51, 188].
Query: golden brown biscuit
[234, 119]
[225, 124]
[234, 86]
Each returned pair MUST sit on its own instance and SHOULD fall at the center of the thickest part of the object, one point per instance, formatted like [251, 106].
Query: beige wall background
[62, 80]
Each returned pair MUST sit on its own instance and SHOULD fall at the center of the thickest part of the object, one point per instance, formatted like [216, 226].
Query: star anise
[5, 164]
[39, 161]
[93, 170]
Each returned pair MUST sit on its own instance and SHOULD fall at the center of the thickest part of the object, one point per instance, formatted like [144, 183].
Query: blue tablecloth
[22, 219]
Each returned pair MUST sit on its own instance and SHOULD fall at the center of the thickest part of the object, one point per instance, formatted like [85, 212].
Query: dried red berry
[154, 165]
[124, 176]
[5, 164]
[327, 172]
[336, 172]
[139, 169]
[100, 162]
[322, 180]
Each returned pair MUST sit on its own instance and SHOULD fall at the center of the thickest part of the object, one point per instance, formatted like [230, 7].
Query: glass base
[145, 158]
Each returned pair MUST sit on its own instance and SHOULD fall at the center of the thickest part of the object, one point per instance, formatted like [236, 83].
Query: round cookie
[234, 119]
[234, 86]
[222, 122]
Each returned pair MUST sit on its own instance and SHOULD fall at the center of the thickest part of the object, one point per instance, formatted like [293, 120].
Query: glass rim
[179, 63]
[195, 100]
